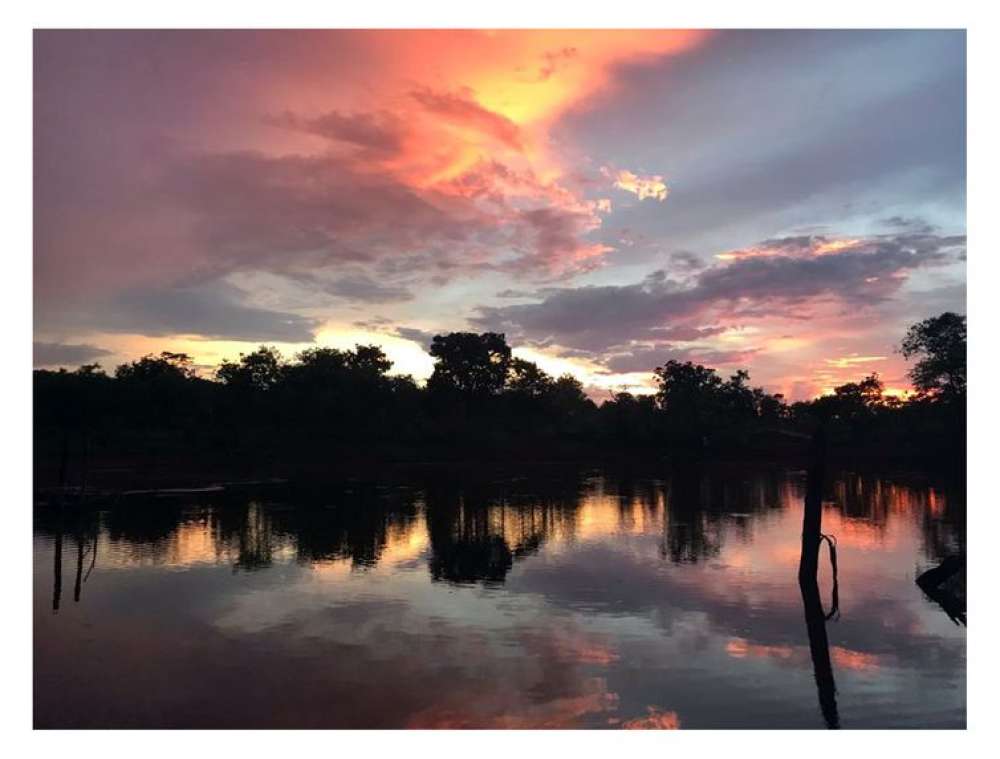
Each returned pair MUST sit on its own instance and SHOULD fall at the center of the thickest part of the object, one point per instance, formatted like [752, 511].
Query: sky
[782, 201]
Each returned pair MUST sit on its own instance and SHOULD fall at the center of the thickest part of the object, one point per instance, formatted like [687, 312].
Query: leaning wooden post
[812, 605]
[79, 566]
[812, 516]
[57, 564]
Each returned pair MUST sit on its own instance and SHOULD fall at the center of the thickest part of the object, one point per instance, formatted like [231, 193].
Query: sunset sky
[782, 201]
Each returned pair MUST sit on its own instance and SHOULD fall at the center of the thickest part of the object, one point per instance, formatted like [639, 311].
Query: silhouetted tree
[161, 394]
[852, 401]
[526, 380]
[940, 344]
[261, 370]
[568, 401]
[630, 421]
[171, 367]
[703, 412]
[328, 404]
[474, 365]
[770, 408]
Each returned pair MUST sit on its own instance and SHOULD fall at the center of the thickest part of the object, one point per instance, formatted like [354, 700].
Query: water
[559, 599]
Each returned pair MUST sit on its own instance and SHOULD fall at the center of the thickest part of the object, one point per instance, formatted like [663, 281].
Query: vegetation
[480, 403]
[940, 342]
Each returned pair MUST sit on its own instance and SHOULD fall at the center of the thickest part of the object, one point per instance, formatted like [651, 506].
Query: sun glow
[406, 355]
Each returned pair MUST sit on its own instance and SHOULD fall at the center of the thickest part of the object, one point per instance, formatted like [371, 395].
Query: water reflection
[812, 541]
[477, 530]
[560, 599]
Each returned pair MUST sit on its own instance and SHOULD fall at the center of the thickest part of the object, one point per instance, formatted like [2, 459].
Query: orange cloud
[642, 187]
[655, 720]
[740, 648]
[854, 660]
[845, 362]
[792, 247]
[469, 114]
[584, 650]
[530, 76]
[835, 246]
[559, 713]
[462, 110]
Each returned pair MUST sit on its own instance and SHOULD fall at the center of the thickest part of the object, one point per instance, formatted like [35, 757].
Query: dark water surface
[561, 599]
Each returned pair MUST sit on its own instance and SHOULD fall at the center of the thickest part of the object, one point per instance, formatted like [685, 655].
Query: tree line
[483, 402]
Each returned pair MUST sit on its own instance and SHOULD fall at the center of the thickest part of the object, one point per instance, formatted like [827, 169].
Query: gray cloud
[356, 286]
[66, 354]
[685, 262]
[914, 225]
[212, 311]
[686, 332]
[378, 135]
[859, 276]
[597, 318]
[420, 336]
[644, 359]
[293, 211]
[386, 326]
[516, 294]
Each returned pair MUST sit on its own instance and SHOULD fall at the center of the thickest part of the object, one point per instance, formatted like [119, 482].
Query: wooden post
[57, 566]
[79, 566]
[812, 523]
[812, 516]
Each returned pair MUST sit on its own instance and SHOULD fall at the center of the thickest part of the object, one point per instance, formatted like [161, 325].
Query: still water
[556, 599]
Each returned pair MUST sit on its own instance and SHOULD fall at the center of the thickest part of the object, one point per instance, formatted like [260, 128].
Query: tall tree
[526, 379]
[166, 366]
[470, 363]
[939, 343]
[260, 370]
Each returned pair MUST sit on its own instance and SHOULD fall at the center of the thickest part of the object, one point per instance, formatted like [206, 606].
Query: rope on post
[831, 541]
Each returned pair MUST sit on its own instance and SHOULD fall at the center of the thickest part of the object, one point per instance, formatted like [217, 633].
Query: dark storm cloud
[66, 354]
[597, 318]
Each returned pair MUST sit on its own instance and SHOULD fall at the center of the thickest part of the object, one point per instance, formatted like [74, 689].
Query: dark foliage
[940, 342]
[330, 405]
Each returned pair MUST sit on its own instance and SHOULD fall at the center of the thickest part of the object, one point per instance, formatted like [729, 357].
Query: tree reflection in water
[478, 529]
[708, 552]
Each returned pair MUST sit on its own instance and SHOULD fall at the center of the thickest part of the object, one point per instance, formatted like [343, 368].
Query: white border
[984, 250]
